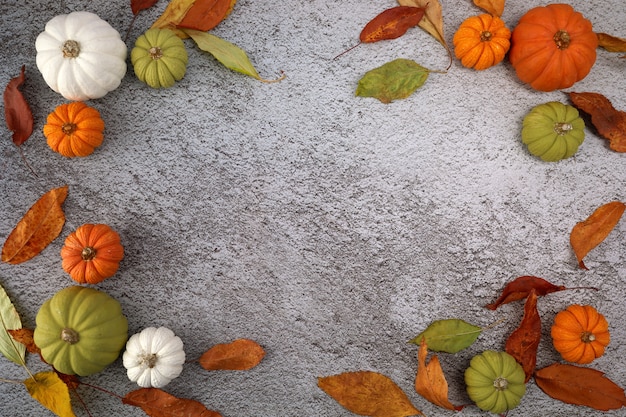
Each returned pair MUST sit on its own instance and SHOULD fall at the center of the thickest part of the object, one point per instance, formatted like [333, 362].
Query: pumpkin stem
[587, 337]
[562, 128]
[500, 383]
[70, 49]
[70, 336]
[155, 52]
[68, 128]
[562, 39]
[149, 360]
[486, 36]
[88, 253]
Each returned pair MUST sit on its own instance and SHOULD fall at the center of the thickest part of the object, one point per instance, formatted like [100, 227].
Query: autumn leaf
[432, 22]
[206, 14]
[51, 392]
[25, 337]
[10, 320]
[589, 233]
[158, 403]
[522, 344]
[520, 287]
[580, 386]
[173, 14]
[368, 394]
[39, 226]
[493, 7]
[394, 80]
[609, 122]
[430, 381]
[239, 355]
[17, 112]
[449, 335]
[391, 24]
[611, 43]
[138, 5]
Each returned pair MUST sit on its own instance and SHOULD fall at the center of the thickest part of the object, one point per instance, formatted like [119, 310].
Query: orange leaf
[392, 23]
[25, 337]
[39, 226]
[173, 14]
[239, 355]
[589, 233]
[157, 403]
[494, 7]
[609, 122]
[581, 386]
[138, 5]
[520, 287]
[611, 43]
[430, 381]
[522, 344]
[17, 113]
[368, 394]
[206, 14]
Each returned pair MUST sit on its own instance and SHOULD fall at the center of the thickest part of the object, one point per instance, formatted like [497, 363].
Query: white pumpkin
[81, 56]
[153, 357]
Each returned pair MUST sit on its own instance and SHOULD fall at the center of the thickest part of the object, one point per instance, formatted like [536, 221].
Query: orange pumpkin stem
[70, 336]
[486, 36]
[562, 39]
[71, 49]
[88, 253]
[587, 337]
[156, 53]
[68, 128]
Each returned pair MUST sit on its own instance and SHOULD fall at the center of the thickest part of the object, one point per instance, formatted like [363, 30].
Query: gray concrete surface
[331, 229]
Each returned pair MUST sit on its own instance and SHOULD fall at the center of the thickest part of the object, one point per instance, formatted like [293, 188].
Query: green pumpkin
[495, 381]
[553, 131]
[80, 330]
[159, 58]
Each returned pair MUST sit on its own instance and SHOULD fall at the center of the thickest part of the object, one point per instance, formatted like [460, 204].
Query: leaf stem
[12, 341]
[101, 389]
[11, 381]
[26, 162]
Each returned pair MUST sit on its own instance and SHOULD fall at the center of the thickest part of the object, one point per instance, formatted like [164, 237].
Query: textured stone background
[331, 229]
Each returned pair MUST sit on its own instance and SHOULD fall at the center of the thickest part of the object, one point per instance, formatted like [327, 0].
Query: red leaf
[139, 5]
[609, 122]
[522, 344]
[520, 287]
[392, 23]
[19, 117]
[157, 403]
[580, 386]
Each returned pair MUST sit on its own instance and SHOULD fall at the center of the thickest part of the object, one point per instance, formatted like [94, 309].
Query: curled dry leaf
[432, 22]
[206, 14]
[494, 7]
[520, 287]
[391, 24]
[138, 5]
[611, 43]
[158, 403]
[609, 122]
[368, 394]
[239, 355]
[25, 337]
[522, 344]
[581, 386]
[17, 112]
[589, 233]
[39, 226]
[430, 382]
[51, 392]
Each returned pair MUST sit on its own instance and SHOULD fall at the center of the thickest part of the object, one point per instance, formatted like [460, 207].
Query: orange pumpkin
[553, 47]
[92, 253]
[481, 41]
[580, 334]
[74, 129]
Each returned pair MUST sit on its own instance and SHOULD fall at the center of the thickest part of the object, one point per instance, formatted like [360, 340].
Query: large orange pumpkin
[580, 334]
[553, 47]
[74, 129]
[481, 41]
[92, 253]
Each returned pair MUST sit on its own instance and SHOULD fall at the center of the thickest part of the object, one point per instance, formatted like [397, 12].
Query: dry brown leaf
[39, 226]
[432, 22]
[589, 233]
[522, 344]
[610, 123]
[430, 381]
[17, 112]
[581, 386]
[25, 337]
[239, 355]
[157, 403]
[494, 7]
[368, 394]
[611, 43]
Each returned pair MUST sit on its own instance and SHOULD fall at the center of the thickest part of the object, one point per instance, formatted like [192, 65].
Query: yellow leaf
[51, 392]
[430, 381]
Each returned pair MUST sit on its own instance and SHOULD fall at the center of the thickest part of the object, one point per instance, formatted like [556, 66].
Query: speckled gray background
[331, 229]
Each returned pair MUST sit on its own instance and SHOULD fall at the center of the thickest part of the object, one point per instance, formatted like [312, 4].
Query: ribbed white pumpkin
[154, 357]
[81, 56]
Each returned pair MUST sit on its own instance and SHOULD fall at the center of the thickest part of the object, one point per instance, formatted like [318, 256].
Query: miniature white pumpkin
[153, 357]
[81, 56]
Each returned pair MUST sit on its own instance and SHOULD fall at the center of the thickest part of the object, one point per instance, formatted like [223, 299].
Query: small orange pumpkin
[92, 253]
[74, 129]
[580, 334]
[553, 47]
[481, 41]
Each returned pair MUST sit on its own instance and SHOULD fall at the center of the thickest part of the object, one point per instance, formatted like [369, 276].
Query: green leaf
[10, 321]
[451, 335]
[395, 80]
[51, 392]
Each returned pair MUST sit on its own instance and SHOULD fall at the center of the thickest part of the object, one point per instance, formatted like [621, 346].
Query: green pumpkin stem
[70, 336]
[562, 128]
[500, 383]
[156, 53]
